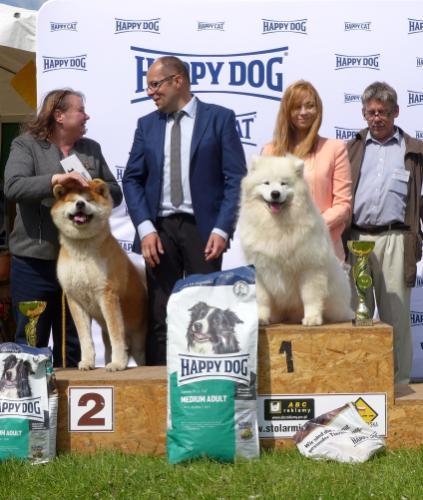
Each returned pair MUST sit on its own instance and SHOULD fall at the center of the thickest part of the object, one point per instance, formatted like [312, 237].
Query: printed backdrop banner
[241, 54]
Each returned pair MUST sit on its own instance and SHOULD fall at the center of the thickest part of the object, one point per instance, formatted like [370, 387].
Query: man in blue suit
[182, 187]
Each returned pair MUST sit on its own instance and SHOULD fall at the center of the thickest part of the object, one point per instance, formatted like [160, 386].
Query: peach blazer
[328, 175]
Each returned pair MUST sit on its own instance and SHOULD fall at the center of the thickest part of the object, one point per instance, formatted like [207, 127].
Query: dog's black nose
[275, 195]
[80, 205]
[197, 327]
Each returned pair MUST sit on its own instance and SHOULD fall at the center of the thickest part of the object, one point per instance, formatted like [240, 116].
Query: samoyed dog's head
[274, 182]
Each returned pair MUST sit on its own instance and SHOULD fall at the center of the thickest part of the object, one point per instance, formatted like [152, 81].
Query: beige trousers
[386, 267]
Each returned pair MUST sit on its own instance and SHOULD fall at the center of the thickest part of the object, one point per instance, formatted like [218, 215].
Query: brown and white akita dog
[98, 278]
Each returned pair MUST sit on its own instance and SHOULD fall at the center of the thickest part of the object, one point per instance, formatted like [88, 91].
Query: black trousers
[183, 255]
[35, 279]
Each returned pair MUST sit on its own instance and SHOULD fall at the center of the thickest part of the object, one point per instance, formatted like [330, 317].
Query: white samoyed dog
[299, 278]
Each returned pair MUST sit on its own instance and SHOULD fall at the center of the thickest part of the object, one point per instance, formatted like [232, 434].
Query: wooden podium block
[405, 417]
[330, 358]
[292, 359]
[139, 423]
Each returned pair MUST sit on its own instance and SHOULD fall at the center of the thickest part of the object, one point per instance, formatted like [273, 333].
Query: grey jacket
[27, 181]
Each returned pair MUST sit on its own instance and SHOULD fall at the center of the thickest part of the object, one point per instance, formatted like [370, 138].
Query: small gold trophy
[32, 309]
[362, 279]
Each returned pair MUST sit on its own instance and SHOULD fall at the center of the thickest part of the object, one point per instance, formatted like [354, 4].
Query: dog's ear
[298, 165]
[59, 191]
[22, 372]
[199, 306]
[10, 361]
[100, 187]
[28, 367]
[232, 317]
[254, 162]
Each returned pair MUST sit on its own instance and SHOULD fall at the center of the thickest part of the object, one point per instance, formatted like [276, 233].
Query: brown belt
[396, 226]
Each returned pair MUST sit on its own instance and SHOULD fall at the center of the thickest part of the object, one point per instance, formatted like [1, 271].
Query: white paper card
[73, 164]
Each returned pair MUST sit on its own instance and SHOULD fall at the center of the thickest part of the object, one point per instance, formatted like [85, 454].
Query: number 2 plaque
[91, 409]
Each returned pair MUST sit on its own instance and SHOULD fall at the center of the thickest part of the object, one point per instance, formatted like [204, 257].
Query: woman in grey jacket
[31, 172]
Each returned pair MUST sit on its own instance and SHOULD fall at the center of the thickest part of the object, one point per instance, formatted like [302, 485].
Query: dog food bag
[340, 435]
[28, 403]
[212, 365]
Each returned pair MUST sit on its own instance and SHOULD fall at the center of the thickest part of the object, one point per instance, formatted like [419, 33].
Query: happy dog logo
[137, 25]
[343, 61]
[26, 408]
[419, 62]
[254, 74]
[415, 26]
[416, 318]
[126, 245]
[273, 26]
[349, 26]
[119, 173]
[415, 98]
[78, 63]
[205, 26]
[194, 368]
[349, 98]
[419, 136]
[54, 26]
[345, 134]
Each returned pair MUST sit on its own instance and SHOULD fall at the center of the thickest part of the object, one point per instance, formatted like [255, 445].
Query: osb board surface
[347, 326]
[139, 421]
[331, 358]
[148, 373]
[405, 429]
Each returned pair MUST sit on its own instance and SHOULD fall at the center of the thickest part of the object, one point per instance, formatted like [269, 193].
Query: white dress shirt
[166, 208]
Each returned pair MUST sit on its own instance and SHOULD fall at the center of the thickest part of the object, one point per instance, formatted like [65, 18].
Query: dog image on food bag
[282, 233]
[212, 330]
[14, 381]
[98, 278]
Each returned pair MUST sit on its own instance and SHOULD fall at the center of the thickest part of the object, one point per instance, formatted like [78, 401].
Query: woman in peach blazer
[326, 164]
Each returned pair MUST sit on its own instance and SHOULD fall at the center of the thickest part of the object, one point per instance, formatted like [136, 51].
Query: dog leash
[63, 330]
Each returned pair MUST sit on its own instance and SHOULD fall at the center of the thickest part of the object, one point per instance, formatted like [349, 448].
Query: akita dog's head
[273, 181]
[81, 213]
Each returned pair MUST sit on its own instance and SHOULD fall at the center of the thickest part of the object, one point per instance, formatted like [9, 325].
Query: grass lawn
[278, 474]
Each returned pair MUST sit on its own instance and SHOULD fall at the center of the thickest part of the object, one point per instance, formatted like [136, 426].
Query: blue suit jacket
[217, 165]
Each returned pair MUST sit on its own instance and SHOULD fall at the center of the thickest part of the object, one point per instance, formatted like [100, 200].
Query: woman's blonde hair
[283, 137]
[44, 123]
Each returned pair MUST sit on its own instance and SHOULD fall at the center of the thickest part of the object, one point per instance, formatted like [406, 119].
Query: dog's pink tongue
[275, 207]
[80, 218]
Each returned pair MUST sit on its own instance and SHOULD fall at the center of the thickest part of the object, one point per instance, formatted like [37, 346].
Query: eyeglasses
[156, 84]
[383, 113]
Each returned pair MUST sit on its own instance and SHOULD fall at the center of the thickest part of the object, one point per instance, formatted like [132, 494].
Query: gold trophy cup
[362, 279]
[32, 309]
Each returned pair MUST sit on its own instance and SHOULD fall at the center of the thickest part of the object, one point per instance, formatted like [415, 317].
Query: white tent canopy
[17, 48]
